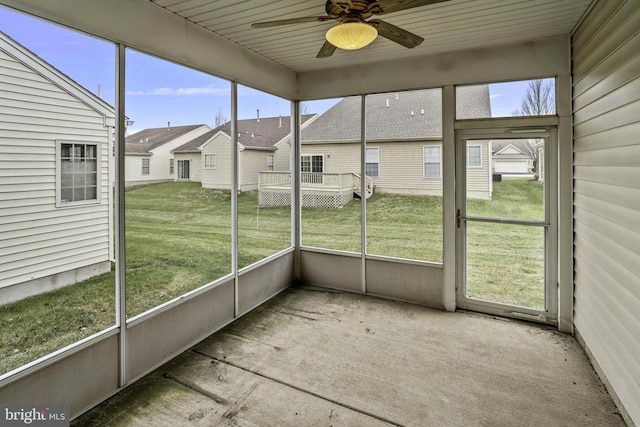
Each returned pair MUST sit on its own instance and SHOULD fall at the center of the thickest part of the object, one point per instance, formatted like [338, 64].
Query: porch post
[363, 189]
[234, 194]
[120, 255]
[449, 198]
[296, 193]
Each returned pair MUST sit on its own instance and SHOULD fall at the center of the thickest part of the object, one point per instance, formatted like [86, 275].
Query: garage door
[511, 166]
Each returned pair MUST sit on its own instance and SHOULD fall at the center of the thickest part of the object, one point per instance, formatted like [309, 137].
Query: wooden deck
[316, 357]
[319, 190]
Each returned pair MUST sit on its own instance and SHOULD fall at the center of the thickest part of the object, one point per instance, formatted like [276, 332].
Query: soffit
[451, 26]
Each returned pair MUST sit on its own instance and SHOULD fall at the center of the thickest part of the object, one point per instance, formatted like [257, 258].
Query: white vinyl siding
[251, 163]
[432, 160]
[372, 162]
[37, 239]
[210, 161]
[606, 100]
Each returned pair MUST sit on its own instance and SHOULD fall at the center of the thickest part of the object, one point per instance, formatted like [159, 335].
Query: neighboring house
[512, 157]
[263, 145]
[404, 141]
[55, 193]
[149, 157]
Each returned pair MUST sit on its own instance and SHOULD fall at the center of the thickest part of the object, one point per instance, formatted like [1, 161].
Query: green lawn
[179, 238]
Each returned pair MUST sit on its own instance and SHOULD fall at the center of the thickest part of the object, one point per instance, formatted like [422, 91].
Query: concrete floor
[314, 357]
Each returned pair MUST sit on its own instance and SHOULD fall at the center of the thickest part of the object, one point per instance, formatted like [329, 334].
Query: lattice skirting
[310, 198]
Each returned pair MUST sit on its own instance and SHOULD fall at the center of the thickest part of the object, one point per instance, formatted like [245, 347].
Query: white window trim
[424, 161]
[468, 157]
[142, 166]
[171, 166]
[377, 160]
[271, 164]
[215, 161]
[311, 161]
[98, 199]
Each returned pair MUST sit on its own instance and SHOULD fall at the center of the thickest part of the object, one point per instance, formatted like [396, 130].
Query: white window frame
[369, 160]
[62, 203]
[147, 167]
[311, 156]
[171, 166]
[424, 161]
[469, 165]
[271, 162]
[212, 163]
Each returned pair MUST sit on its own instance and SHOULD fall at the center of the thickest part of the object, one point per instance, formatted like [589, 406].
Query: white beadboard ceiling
[446, 27]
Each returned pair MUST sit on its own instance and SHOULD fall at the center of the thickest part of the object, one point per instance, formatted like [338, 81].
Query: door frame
[549, 314]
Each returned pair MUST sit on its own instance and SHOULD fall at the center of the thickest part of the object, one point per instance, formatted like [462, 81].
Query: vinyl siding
[252, 162]
[282, 156]
[220, 177]
[606, 100]
[38, 239]
[401, 167]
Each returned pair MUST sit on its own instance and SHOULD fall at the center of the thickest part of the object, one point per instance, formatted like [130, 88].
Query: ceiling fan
[354, 31]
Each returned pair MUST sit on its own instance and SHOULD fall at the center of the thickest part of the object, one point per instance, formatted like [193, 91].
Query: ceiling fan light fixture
[351, 35]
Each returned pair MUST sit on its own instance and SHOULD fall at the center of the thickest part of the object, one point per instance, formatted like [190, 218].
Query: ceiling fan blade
[381, 7]
[326, 50]
[291, 21]
[396, 34]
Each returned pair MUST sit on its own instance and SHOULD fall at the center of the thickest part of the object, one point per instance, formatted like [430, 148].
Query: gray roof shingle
[394, 116]
[148, 139]
[263, 133]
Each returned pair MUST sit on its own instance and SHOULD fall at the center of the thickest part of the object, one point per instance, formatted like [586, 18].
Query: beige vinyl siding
[220, 177]
[282, 156]
[479, 178]
[401, 166]
[38, 239]
[606, 90]
[195, 165]
[252, 162]
[337, 157]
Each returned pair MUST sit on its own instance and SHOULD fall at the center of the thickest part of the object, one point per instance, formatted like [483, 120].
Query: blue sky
[159, 91]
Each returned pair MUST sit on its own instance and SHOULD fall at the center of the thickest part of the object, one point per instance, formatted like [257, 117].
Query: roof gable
[263, 133]
[393, 116]
[149, 139]
[57, 77]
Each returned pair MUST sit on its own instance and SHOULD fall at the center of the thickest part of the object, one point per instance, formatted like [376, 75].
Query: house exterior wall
[282, 156]
[195, 166]
[43, 246]
[606, 100]
[251, 162]
[401, 167]
[220, 177]
[158, 160]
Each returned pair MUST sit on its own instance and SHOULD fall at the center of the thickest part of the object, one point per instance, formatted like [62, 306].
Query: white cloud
[182, 91]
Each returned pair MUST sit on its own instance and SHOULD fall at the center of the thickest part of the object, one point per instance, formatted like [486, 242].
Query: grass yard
[179, 238]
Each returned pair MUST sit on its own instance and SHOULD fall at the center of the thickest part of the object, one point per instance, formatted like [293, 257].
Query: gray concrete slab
[316, 357]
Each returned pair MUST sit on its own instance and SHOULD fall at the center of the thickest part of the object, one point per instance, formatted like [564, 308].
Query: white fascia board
[151, 29]
[521, 61]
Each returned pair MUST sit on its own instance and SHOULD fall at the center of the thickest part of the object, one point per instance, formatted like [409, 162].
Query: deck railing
[329, 181]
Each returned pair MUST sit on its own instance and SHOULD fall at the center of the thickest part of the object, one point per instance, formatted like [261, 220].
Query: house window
[432, 161]
[312, 163]
[210, 161]
[372, 162]
[270, 162]
[145, 166]
[474, 156]
[78, 172]
[170, 166]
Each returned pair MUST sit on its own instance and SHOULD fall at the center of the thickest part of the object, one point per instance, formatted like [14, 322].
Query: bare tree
[538, 101]
[220, 119]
